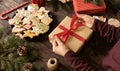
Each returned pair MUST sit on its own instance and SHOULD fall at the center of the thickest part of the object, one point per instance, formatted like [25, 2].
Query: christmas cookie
[41, 27]
[46, 20]
[30, 22]
[33, 8]
[29, 33]
[17, 29]
[114, 22]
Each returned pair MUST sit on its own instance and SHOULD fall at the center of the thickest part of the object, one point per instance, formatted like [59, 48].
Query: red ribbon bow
[66, 32]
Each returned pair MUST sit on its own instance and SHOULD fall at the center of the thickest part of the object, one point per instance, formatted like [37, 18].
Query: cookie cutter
[3, 17]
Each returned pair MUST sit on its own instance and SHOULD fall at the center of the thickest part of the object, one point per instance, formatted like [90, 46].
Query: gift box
[76, 34]
[88, 8]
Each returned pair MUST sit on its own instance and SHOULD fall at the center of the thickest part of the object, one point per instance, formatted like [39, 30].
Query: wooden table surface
[45, 48]
[92, 52]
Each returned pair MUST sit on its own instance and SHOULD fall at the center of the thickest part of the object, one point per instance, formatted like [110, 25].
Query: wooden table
[42, 43]
[92, 52]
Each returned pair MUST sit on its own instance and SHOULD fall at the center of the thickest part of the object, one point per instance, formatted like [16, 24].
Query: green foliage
[96, 2]
[56, 4]
[10, 60]
[36, 67]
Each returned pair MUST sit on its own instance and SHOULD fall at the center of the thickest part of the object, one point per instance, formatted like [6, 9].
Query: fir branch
[36, 67]
[9, 58]
[2, 64]
[16, 66]
[9, 66]
[56, 4]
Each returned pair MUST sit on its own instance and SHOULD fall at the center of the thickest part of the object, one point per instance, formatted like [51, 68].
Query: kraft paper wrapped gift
[88, 8]
[72, 42]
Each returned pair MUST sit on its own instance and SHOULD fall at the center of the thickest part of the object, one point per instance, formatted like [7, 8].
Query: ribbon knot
[66, 32]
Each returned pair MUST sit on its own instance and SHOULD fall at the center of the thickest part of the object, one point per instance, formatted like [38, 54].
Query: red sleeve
[111, 33]
[77, 63]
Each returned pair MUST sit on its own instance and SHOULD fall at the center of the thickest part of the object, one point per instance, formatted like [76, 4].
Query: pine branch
[17, 66]
[2, 64]
[9, 66]
[10, 60]
[56, 4]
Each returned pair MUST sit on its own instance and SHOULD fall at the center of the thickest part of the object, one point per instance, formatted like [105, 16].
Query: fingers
[59, 42]
[55, 42]
[81, 16]
[52, 40]
[54, 45]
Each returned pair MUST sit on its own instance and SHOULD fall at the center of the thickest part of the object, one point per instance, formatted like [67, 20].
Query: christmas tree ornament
[21, 50]
[27, 67]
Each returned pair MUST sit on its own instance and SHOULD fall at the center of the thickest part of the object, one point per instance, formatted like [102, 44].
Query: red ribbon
[66, 32]
[39, 2]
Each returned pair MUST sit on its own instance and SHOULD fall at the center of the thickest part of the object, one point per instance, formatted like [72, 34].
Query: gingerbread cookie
[30, 22]
[29, 33]
[46, 20]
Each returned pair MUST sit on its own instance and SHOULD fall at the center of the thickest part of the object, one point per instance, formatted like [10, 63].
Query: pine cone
[28, 67]
[21, 50]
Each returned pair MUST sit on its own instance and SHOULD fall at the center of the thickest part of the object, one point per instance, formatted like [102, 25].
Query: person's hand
[86, 19]
[58, 46]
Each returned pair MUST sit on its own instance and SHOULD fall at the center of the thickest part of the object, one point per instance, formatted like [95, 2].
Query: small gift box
[88, 8]
[73, 34]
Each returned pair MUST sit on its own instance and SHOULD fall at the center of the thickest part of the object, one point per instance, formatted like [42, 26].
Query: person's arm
[78, 63]
[111, 33]
[73, 59]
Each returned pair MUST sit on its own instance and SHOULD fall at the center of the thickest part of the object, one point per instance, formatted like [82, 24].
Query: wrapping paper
[88, 8]
[72, 42]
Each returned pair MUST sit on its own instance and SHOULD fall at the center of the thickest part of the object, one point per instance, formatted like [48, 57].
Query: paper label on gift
[73, 43]
[81, 7]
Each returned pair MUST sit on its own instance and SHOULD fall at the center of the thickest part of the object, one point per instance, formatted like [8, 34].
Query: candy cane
[3, 17]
